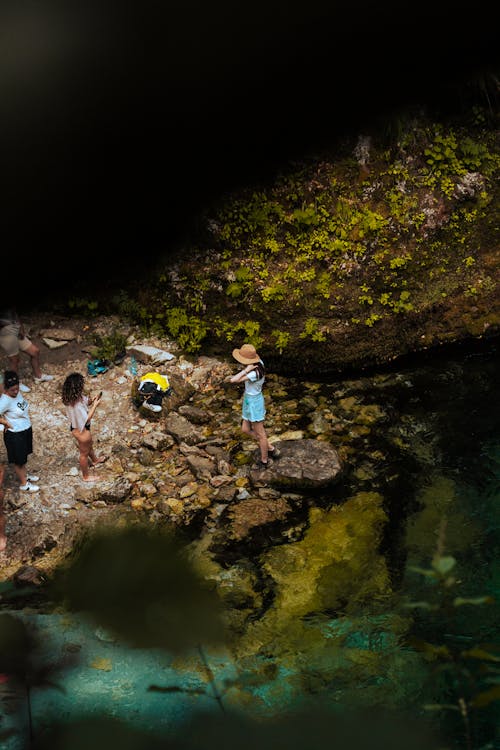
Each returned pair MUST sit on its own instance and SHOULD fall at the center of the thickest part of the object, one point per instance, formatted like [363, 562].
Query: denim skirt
[253, 408]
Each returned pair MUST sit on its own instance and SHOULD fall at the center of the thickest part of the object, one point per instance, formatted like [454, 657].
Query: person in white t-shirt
[253, 409]
[17, 432]
[3, 538]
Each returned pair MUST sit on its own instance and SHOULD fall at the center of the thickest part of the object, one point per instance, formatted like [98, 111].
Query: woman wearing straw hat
[253, 410]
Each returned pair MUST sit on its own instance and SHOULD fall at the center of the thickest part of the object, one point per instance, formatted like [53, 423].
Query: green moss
[336, 566]
[316, 254]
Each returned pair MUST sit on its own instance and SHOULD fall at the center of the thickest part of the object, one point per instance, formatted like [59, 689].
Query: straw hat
[246, 355]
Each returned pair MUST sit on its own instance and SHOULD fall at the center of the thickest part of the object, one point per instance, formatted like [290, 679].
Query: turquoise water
[435, 460]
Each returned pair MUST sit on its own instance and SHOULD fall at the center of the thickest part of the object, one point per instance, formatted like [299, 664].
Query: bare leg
[246, 427]
[14, 362]
[257, 432]
[260, 435]
[3, 537]
[92, 456]
[34, 353]
[84, 440]
[21, 474]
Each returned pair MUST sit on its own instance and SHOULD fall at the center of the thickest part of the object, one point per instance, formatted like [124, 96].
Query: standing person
[18, 432]
[80, 410]
[13, 340]
[3, 538]
[253, 410]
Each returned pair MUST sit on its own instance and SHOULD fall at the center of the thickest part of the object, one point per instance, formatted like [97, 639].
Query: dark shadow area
[118, 123]
[315, 729]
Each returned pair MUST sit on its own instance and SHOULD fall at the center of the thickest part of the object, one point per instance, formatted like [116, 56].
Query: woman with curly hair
[80, 410]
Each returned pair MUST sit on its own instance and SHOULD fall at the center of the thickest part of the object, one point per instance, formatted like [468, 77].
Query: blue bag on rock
[96, 366]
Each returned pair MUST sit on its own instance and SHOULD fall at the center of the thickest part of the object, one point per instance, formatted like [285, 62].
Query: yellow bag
[155, 377]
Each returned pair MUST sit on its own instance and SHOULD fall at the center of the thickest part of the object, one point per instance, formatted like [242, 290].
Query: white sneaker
[24, 388]
[32, 478]
[28, 487]
[44, 378]
[152, 407]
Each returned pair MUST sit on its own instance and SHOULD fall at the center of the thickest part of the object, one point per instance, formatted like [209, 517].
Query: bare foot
[3, 542]
[91, 479]
[100, 460]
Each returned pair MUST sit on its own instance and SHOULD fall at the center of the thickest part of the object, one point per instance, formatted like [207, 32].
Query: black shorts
[87, 427]
[19, 445]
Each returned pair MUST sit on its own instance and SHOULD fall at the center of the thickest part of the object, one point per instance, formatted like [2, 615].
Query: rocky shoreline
[189, 468]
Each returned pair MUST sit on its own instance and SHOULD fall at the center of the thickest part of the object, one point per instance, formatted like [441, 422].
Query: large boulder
[304, 466]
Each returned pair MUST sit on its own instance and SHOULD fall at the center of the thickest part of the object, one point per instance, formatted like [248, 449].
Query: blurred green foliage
[138, 583]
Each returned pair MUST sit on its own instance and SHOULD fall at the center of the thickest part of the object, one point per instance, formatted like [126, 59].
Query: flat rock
[58, 334]
[53, 344]
[304, 466]
[149, 354]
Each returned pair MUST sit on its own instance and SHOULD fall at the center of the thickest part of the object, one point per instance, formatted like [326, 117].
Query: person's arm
[94, 403]
[5, 422]
[241, 376]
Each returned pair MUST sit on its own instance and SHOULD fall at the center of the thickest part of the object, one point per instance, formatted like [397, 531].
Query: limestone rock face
[427, 263]
[304, 465]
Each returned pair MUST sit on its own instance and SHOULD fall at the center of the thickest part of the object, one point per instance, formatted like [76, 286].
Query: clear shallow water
[432, 451]
[427, 443]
